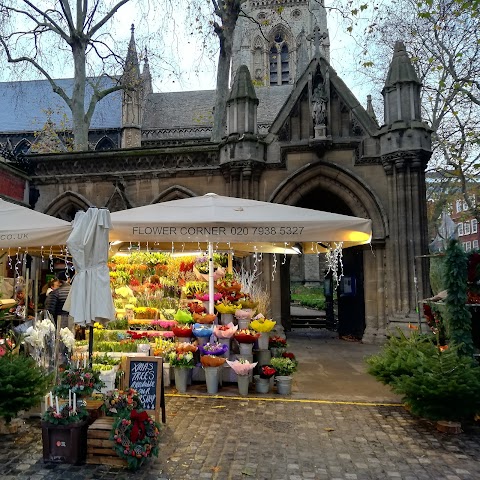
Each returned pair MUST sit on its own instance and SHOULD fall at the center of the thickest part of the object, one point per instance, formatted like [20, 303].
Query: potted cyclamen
[284, 366]
[262, 381]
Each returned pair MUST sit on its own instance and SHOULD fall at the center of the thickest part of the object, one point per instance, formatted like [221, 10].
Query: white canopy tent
[236, 224]
[21, 227]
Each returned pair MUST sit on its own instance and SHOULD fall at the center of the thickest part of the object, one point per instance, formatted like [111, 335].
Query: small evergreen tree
[458, 317]
[22, 384]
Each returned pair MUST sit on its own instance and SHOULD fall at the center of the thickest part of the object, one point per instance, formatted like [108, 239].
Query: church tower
[278, 45]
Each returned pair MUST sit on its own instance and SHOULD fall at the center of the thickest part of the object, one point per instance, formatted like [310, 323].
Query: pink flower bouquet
[225, 331]
[204, 297]
[244, 314]
[164, 323]
[242, 367]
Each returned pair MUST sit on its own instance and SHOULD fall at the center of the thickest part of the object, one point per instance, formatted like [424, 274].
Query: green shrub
[436, 384]
[400, 356]
[312, 297]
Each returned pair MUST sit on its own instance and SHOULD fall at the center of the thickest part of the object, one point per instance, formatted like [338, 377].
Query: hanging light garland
[334, 256]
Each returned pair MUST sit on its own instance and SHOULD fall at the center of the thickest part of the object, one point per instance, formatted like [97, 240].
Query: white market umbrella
[237, 223]
[251, 223]
[21, 227]
[90, 298]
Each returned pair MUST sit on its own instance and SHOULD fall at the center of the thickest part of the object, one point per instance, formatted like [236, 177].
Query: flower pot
[65, 443]
[243, 323]
[284, 385]
[263, 357]
[245, 348]
[262, 341]
[166, 375]
[277, 351]
[227, 342]
[181, 378]
[226, 318]
[262, 385]
[243, 381]
[211, 379]
[143, 348]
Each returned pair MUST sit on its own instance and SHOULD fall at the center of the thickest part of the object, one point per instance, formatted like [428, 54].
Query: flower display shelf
[99, 446]
[65, 443]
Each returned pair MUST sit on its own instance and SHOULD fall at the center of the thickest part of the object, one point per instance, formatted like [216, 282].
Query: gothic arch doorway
[329, 187]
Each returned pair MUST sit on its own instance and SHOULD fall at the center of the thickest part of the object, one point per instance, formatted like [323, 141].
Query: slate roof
[187, 109]
[23, 105]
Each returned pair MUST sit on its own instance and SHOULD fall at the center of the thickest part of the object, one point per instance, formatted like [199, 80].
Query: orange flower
[442, 348]
[413, 327]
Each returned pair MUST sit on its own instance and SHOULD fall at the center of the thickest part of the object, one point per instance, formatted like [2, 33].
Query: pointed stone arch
[66, 205]
[362, 202]
[341, 182]
[105, 143]
[175, 192]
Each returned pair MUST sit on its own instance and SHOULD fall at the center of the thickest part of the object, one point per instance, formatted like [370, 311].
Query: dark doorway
[346, 313]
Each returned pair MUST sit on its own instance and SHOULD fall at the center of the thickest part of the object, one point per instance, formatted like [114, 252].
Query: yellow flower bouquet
[262, 325]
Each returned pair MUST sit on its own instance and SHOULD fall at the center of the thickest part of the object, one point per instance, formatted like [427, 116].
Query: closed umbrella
[90, 298]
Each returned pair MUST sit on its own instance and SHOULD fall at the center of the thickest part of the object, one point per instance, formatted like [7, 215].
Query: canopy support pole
[210, 278]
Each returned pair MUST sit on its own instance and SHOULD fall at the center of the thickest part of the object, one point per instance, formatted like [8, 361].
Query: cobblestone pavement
[271, 439]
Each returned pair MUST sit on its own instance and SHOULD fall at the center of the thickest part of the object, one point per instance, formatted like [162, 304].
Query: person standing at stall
[56, 300]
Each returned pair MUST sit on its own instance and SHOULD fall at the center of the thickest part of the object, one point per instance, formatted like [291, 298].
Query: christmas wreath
[135, 437]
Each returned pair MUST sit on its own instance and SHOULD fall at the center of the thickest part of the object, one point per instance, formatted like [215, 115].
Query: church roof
[189, 109]
[23, 106]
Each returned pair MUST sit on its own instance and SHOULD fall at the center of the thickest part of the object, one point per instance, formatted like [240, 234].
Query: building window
[465, 206]
[460, 229]
[474, 225]
[475, 244]
[459, 206]
[466, 228]
[279, 61]
[467, 246]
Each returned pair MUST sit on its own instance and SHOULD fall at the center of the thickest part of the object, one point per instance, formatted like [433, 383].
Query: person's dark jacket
[56, 299]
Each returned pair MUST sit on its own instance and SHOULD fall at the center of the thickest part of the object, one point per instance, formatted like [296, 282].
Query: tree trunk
[80, 125]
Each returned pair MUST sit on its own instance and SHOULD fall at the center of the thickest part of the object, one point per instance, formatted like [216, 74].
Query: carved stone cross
[317, 36]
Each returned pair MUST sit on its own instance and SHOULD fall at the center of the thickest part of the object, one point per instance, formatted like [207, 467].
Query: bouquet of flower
[244, 314]
[65, 415]
[184, 347]
[211, 361]
[196, 307]
[202, 330]
[204, 317]
[115, 402]
[225, 331]
[184, 360]
[284, 366]
[183, 317]
[242, 367]
[267, 371]
[262, 324]
[213, 348]
[135, 437]
[82, 381]
[246, 336]
[205, 297]
[277, 342]
[163, 347]
[226, 306]
[183, 330]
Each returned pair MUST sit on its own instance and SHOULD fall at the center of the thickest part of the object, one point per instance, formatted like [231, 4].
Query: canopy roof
[237, 223]
[21, 227]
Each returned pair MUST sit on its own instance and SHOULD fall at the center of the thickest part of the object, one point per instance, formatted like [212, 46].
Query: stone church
[295, 134]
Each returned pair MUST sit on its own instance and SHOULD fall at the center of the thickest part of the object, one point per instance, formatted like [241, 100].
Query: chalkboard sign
[145, 375]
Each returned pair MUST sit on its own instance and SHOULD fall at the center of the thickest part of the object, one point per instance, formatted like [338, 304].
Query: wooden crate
[99, 446]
